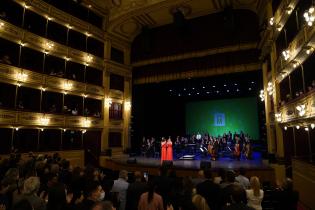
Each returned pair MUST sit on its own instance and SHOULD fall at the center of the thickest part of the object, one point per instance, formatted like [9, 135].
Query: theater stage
[189, 167]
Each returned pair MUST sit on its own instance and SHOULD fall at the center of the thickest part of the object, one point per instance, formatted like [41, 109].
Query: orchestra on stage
[237, 146]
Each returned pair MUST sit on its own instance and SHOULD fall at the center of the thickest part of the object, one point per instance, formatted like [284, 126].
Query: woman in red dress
[163, 149]
[169, 151]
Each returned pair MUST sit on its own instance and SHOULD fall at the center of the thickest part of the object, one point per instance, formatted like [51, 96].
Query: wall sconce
[67, 85]
[309, 16]
[262, 95]
[83, 131]
[306, 129]
[297, 127]
[17, 128]
[108, 102]
[286, 54]
[1, 24]
[43, 89]
[278, 117]
[289, 10]
[69, 26]
[49, 45]
[127, 105]
[271, 21]
[285, 128]
[84, 95]
[301, 109]
[88, 58]
[21, 76]
[44, 120]
[309, 50]
[270, 88]
[312, 125]
[86, 123]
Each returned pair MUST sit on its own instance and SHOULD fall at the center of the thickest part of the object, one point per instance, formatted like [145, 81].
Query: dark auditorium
[157, 104]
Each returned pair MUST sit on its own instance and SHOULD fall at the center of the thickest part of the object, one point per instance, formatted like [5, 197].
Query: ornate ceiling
[127, 17]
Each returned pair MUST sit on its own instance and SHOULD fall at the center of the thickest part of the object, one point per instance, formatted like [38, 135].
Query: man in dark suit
[209, 190]
[237, 199]
[135, 190]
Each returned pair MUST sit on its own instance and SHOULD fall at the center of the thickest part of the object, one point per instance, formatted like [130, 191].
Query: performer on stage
[169, 151]
[163, 149]
[237, 150]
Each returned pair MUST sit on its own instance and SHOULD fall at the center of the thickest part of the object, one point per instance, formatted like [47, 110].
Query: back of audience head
[138, 176]
[208, 174]
[56, 197]
[31, 185]
[105, 205]
[222, 173]
[242, 171]
[201, 174]
[123, 174]
[238, 194]
[94, 191]
[230, 176]
[255, 185]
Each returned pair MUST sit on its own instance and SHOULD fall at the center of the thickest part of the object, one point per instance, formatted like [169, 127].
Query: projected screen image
[220, 116]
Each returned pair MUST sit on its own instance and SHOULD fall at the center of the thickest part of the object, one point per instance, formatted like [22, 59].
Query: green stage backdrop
[220, 116]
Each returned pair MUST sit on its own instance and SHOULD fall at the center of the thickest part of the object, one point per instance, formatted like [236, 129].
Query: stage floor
[225, 163]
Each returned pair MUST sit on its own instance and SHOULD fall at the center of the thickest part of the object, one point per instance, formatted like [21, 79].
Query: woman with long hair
[151, 200]
[255, 194]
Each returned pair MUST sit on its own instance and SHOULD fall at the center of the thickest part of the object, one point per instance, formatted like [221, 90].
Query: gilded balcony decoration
[21, 118]
[41, 44]
[56, 15]
[9, 74]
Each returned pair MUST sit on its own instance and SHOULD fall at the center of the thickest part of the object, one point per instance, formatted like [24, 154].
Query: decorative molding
[117, 68]
[196, 73]
[116, 94]
[18, 35]
[280, 18]
[290, 114]
[196, 54]
[302, 41]
[42, 8]
[36, 80]
[12, 118]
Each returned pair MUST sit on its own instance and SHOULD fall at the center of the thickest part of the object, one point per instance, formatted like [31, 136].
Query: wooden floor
[195, 164]
[190, 167]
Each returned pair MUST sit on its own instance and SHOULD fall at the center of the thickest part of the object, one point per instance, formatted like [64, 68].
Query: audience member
[286, 197]
[135, 190]
[255, 194]
[151, 200]
[93, 193]
[242, 179]
[209, 190]
[105, 205]
[120, 188]
[237, 203]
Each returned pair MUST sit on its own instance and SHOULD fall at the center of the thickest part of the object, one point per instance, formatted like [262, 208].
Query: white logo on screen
[219, 119]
